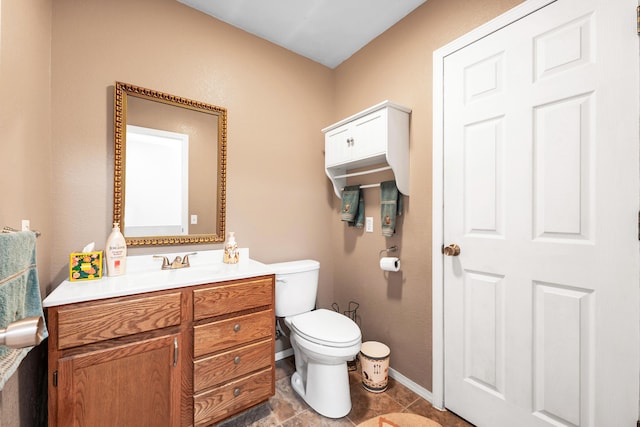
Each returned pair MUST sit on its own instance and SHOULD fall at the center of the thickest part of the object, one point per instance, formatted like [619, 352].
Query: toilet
[323, 341]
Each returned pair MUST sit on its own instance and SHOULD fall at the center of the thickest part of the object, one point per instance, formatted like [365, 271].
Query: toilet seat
[326, 327]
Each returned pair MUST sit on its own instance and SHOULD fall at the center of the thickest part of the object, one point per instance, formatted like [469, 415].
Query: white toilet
[323, 341]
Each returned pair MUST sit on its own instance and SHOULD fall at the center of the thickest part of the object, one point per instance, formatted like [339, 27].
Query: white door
[541, 306]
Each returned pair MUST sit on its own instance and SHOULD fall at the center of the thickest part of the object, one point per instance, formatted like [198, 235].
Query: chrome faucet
[178, 262]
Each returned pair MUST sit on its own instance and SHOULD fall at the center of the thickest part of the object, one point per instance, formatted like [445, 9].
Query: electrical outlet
[26, 225]
[194, 219]
[368, 224]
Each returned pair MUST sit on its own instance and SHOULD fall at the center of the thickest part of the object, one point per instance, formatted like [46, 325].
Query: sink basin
[205, 267]
[199, 273]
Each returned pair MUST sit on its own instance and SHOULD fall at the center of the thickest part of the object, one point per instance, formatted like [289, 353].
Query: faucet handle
[185, 260]
[165, 261]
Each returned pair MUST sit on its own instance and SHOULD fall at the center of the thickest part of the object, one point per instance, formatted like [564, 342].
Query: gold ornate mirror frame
[122, 92]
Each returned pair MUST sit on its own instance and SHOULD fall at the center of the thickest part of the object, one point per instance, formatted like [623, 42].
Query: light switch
[194, 219]
[368, 224]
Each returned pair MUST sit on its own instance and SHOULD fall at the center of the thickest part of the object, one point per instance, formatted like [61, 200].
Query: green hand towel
[350, 203]
[19, 292]
[358, 222]
[390, 207]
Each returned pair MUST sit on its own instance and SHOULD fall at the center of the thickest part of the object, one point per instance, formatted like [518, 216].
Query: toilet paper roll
[390, 263]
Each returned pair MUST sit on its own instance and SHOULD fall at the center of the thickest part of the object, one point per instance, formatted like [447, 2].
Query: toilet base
[325, 389]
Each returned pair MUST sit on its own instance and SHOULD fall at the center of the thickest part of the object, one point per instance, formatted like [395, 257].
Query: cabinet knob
[236, 360]
[236, 327]
[236, 392]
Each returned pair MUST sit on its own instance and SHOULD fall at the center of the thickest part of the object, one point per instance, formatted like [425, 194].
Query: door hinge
[638, 27]
[55, 378]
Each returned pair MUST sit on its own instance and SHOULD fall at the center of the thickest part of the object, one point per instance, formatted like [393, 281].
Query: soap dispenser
[231, 254]
[116, 253]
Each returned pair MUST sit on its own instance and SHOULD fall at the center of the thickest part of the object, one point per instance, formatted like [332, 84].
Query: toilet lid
[326, 327]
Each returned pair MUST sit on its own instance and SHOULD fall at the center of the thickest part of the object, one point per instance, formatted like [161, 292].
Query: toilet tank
[296, 286]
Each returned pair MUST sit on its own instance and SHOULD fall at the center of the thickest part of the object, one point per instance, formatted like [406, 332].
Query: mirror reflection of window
[157, 192]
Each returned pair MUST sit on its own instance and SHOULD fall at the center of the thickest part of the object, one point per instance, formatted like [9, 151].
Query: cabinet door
[135, 384]
[370, 135]
[337, 146]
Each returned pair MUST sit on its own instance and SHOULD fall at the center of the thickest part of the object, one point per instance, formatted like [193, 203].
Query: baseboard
[284, 354]
[418, 389]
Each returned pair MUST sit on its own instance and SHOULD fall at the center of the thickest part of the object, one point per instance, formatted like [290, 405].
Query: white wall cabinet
[376, 138]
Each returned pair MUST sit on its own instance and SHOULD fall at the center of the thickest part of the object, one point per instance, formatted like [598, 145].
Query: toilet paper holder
[389, 249]
[388, 263]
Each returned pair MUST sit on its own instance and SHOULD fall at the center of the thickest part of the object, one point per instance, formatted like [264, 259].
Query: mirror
[169, 168]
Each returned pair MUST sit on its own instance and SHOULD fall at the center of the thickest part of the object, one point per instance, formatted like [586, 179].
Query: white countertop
[145, 275]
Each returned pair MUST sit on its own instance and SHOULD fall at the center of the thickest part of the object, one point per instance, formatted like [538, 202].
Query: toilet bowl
[323, 341]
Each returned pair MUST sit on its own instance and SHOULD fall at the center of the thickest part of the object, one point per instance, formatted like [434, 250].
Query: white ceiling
[325, 31]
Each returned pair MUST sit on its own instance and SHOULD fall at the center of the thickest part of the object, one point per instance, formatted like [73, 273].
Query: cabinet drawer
[222, 367]
[103, 321]
[219, 403]
[219, 300]
[228, 333]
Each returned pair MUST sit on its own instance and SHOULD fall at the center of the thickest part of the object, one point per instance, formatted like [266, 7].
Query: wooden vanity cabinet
[233, 348]
[118, 361]
[181, 357]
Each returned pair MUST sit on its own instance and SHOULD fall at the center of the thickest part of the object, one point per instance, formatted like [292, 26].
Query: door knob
[451, 250]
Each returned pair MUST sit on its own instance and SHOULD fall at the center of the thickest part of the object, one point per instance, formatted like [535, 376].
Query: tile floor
[287, 409]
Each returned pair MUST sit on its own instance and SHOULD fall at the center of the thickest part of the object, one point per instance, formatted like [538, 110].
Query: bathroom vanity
[186, 347]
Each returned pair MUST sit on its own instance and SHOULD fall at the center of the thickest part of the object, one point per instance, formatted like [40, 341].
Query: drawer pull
[236, 392]
[175, 352]
[236, 360]
[236, 327]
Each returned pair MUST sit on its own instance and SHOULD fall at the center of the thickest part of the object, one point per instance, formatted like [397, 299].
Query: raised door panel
[135, 384]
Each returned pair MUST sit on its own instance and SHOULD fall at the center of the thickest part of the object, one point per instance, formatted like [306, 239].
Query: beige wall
[26, 171]
[277, 101]
[59, 61]
[25, 119]
[395, 308]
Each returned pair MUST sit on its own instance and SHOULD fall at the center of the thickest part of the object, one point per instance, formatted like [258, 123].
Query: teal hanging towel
[352, 210]
[390, 207]
[19, 292]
